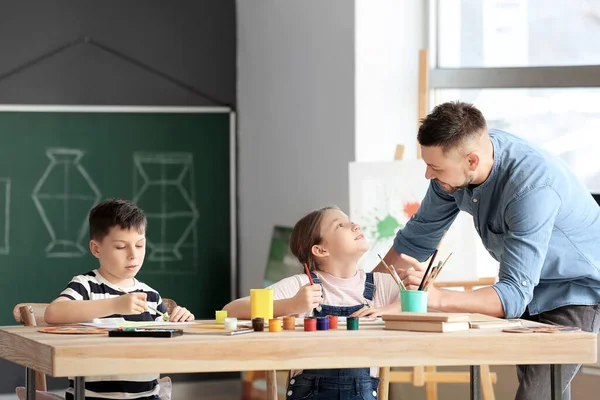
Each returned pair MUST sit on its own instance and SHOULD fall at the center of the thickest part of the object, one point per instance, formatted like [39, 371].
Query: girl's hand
[367, 311]
[308, 297]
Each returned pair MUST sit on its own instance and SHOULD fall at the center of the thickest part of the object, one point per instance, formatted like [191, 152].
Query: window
[565, 122]
[531, 66]
[518, 33]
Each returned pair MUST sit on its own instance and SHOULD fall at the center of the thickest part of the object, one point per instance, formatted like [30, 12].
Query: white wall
[296, 117]
[389, 35]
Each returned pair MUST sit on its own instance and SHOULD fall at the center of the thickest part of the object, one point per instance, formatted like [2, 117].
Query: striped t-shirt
[93, 286]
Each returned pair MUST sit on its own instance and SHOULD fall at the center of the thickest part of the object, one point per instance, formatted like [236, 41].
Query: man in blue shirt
[534, 216]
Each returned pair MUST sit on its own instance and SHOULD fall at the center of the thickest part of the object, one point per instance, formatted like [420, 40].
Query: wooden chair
[32, 314]
[429, 376]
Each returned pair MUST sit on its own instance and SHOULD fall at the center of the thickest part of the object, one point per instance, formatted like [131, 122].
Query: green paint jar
[352, 323]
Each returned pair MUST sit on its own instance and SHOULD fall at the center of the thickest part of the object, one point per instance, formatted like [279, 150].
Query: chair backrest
[169, 304]
[32, 314]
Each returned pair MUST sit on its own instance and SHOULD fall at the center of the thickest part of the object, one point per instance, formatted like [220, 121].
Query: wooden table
[92, 355]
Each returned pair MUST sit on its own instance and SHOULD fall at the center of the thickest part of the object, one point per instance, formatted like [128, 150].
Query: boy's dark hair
[450, 124]
[306, 234]
[115, 212]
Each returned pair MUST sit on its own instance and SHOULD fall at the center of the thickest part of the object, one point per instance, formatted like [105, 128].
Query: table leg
[555, 382]
[475, 382]
[30, 383]
[79, 388]
[271, 385]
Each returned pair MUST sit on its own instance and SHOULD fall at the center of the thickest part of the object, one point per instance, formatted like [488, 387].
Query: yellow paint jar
[261, 303]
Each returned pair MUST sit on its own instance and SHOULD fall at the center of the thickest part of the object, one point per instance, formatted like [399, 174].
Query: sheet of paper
[113, 323]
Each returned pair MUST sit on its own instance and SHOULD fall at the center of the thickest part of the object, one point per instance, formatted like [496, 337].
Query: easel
[428, 376]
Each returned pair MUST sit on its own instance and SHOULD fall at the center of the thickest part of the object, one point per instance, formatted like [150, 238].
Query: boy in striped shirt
[117, 240]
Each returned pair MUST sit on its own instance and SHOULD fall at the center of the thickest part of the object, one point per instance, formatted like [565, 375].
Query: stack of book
[444, 322]
[426, 322]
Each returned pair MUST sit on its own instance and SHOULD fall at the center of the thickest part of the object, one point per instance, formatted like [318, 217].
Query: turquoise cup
[413, 300]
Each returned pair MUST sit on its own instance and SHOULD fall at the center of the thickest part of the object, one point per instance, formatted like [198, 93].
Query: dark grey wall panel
[193, 41]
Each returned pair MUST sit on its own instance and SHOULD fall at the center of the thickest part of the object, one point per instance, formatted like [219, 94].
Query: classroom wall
[194, 41]
[296, 117]
[389, 35]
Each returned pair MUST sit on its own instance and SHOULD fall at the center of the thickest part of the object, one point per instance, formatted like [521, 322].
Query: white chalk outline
[157, 251]
[5, 249]
[37, 196]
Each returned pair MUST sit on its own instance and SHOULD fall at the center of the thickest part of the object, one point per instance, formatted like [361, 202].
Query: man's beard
[453, 189]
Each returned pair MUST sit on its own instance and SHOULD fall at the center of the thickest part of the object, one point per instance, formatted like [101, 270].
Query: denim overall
[338, 384]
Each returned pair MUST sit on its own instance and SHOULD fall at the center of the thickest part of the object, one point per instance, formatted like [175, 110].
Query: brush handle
[428, 269]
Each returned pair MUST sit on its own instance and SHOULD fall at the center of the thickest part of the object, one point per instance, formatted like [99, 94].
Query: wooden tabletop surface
[93, 355]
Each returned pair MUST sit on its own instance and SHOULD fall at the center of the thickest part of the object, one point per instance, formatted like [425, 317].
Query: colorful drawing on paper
[383, 198]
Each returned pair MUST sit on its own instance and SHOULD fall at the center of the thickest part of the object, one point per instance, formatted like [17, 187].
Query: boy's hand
[308, 297]
[181, 314]
[131, 303]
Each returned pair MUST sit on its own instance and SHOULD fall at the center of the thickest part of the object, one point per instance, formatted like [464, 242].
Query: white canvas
[384, 195]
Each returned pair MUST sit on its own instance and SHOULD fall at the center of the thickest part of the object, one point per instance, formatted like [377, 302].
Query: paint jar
[352, 323]
[289, 323]
[230, 323]
[220, 316]
[322, 323]
[310, 324]
[274, 325]
[258, 324]
[261, 303]
[333, 321]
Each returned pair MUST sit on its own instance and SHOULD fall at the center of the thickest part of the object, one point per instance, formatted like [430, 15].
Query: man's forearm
[482, 301]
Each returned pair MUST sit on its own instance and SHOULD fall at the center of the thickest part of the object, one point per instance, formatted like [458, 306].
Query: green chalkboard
[54, 166]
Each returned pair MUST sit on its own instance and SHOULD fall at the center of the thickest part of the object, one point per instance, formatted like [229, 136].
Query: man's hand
[413, 276]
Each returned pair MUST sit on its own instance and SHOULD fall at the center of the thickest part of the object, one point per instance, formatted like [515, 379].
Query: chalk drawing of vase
[63, 197]
[164, 189]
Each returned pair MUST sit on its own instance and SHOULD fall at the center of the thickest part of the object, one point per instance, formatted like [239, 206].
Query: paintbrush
[165, 316]
[431, 262]
[318, 308]
[437, 273]
[432, 275]
[393, 273]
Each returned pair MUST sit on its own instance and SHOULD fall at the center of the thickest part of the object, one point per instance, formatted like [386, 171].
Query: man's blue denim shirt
[534, 216]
